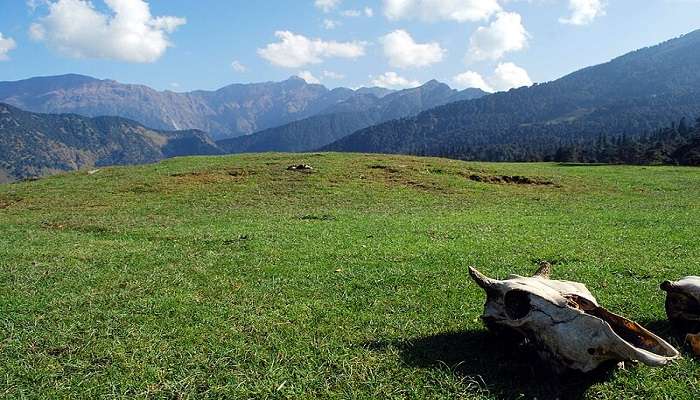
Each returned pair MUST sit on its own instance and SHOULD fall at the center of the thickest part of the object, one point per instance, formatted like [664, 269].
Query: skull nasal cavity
[517, 304]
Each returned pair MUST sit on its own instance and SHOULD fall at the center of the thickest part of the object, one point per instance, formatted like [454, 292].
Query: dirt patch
[385, 168]
[510, 179]
[7, 200]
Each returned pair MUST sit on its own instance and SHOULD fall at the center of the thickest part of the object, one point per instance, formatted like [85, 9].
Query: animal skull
[683, 306]
[683, 300]
[566, 324]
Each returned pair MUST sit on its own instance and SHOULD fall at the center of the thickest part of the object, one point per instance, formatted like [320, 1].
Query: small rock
[300, 167]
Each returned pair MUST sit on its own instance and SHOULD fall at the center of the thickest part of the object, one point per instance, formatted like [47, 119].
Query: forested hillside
[630, 96]
[39, 144]
[344, 118]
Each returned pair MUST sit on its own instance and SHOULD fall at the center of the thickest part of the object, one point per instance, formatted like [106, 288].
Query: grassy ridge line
[231, 276]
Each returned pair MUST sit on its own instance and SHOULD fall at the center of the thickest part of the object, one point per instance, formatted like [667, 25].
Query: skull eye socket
[517, 304]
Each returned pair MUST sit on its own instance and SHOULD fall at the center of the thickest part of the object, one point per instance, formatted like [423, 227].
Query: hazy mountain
[359, 111]
[39, 144]
[231, 111]
[636, 93]
[375, 91]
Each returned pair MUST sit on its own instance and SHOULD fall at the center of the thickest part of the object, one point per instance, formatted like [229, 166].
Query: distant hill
[359, 111]
[231, 111]
[633, 94]
[39, 144]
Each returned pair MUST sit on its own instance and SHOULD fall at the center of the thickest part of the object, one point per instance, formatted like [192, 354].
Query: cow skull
[683, 307]
[565, 323]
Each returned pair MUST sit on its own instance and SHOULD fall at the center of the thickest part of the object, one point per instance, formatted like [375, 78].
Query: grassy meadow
[232, 277]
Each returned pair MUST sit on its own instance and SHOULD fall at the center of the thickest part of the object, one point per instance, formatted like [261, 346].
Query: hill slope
[233, 110]
[232, 277]
[342, 119]
[37, 144]
[633, 94]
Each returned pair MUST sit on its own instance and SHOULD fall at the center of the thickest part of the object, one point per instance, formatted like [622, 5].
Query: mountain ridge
[232, 110]
[347, 117]
[635, 93]
[34, 144]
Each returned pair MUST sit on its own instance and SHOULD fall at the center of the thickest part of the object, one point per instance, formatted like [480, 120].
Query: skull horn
[545, 270]
[668, 286]
[482, 280]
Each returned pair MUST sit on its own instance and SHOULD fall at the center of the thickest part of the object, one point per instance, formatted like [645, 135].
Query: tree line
[677, 144]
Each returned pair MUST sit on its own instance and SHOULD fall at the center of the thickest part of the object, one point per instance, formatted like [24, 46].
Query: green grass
[233, 277]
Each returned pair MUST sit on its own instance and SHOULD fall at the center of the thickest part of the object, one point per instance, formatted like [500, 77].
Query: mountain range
[629, 96]
[344, 118]
[231, 111]
[40, 144]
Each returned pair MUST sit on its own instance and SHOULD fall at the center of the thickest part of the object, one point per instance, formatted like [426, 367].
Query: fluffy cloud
[435, 10]
[294, 51]
[238, 66]
[75, 28]
[392, 80]
[351, 13]
[331, 24]
[505, 34]
[327, 5]
[333, 75]
[471, 79]
[583, 12]
[506, 76]
[6, 44]
[369, 12]
[308, 77]
[403, 52]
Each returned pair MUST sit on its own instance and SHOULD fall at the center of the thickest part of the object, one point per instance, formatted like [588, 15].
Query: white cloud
[403, 52]
[6, 44]
[367, 12]
[508, 75]
[308, 77]
[34, 4]
[351, 13]
[238, 66]
[583, 12]
[294, 51]
[333, 75]
[471, 79]
[505, 34]
[75, 28]
[331, 24]
[392, 80]
[435, 10]
[327, 5]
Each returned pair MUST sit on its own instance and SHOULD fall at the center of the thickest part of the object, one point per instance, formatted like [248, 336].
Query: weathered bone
[565, 322]
[683, 299]
[683, 307]
[545, 270]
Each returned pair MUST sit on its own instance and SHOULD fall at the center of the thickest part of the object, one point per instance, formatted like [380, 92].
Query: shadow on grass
[674, 333]
[504, 370]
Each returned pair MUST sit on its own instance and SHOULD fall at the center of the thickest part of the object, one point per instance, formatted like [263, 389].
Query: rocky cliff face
[231, 111]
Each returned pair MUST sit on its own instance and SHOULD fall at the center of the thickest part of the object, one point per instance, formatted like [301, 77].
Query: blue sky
[186, 45]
